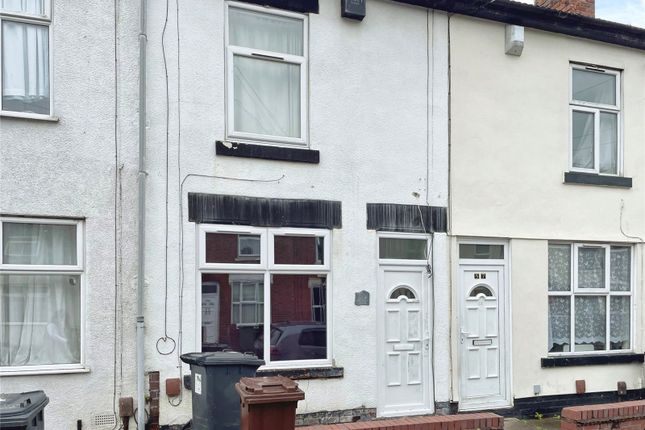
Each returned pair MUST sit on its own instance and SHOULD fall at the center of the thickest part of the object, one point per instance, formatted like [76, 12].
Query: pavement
[532, 424]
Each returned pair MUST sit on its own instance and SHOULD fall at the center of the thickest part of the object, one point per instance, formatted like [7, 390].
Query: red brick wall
[578, 7]
[621, 416]
[481, 421]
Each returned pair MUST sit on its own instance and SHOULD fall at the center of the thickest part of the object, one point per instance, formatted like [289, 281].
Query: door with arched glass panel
[482, 342]
[404, 342]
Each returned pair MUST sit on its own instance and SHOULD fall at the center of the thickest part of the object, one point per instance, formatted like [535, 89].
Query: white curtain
[559, 324]
[35, 7]
[590, 322]
[25, 67]
[40, 314]
[267, 93]
[583, 139]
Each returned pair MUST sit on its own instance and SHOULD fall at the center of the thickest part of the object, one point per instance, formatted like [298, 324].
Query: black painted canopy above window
[263, 212]
[304, 6]
[406, 218]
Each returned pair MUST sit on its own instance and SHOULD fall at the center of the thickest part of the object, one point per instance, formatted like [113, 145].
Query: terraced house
[410, 207]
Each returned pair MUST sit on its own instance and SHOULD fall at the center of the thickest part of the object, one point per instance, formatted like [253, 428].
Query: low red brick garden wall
[482, 421]
[621, 416]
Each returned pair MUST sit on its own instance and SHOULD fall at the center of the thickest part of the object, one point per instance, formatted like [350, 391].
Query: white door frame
[504, 300]
[427, 326]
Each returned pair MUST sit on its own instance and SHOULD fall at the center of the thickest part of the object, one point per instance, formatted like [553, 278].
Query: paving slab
[532, 424]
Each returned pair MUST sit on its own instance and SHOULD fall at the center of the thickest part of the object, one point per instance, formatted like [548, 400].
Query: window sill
[595, 179]
[591, 360]
[307, 373]
[28, 116]
[266, 152]
[43, 371]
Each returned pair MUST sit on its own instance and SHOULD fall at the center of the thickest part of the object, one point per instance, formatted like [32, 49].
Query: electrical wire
[180, 247]
[165, 338]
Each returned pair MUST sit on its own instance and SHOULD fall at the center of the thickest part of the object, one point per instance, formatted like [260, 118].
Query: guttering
[143, 39]
[541, 18]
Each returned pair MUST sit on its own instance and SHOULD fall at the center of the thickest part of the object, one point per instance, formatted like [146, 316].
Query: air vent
[107, 419]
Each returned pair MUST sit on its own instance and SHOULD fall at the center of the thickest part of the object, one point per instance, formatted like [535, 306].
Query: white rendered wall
[509, 150]
[67, 169]
[369, 104]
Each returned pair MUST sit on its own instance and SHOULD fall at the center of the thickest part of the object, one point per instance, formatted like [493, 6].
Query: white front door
[404, 362]
[482, 342]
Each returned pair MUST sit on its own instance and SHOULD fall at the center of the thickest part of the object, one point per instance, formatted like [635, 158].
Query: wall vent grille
[104, 420]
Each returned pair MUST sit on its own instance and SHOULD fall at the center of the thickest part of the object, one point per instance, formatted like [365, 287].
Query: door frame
[504, 306]
[427, 309]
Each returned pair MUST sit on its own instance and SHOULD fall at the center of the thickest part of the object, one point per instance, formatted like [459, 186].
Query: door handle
[463, 334]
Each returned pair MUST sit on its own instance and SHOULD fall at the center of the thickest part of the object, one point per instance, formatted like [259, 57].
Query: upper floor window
[266, 75]
[595, 120]
[41, 288]
[25, 35]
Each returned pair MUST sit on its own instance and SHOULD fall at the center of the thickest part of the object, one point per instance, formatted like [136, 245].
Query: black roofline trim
[541, 18]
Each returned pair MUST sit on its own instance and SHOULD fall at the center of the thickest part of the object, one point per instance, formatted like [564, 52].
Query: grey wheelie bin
[23, 411]
[216, 404]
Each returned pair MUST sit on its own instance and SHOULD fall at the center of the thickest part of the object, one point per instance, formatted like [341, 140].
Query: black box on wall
[353, 9]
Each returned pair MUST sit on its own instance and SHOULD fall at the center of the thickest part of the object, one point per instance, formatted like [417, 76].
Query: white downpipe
[143, 39]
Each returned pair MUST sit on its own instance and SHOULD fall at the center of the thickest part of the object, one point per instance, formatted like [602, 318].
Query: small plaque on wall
[353, 9]
[362, 298]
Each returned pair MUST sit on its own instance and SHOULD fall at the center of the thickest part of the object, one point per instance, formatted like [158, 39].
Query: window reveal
[588, 301]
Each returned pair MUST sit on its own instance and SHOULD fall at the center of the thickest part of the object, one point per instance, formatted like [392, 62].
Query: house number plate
[482, 342]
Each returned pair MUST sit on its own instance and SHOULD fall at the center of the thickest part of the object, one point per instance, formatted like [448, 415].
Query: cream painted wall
[529, 313]
[510, 138]
[509, 150]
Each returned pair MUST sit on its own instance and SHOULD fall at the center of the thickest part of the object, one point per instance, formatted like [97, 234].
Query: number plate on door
[482, 342]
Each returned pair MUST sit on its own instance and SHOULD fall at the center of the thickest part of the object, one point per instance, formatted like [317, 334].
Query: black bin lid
[18, 408]
[222, 358]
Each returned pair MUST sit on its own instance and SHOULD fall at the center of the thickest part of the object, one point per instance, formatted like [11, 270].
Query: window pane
[619, 322]
[590, 326]
[620, 268]
[583, 140]
[232, 248]
[594, 87]
[47, 244]
[559, 267]
[267, 97]
[559, 324]
[266, 32]
[468, 250]
[591, 267]
[35, 7]
[40, 319]
[299, 250]
[25, 67]
[608, 143]
[296, 334]
[229, 320]
[403, 249]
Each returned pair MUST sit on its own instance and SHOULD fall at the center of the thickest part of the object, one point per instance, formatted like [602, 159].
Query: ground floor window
[590, 297]
[265, 291]
[41, 272]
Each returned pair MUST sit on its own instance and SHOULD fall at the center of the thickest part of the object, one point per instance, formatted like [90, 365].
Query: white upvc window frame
[26, 269]
[42, 20]
[402, 261]
[267, 268]
[596, 109]
[593, 292]
[302, 61]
